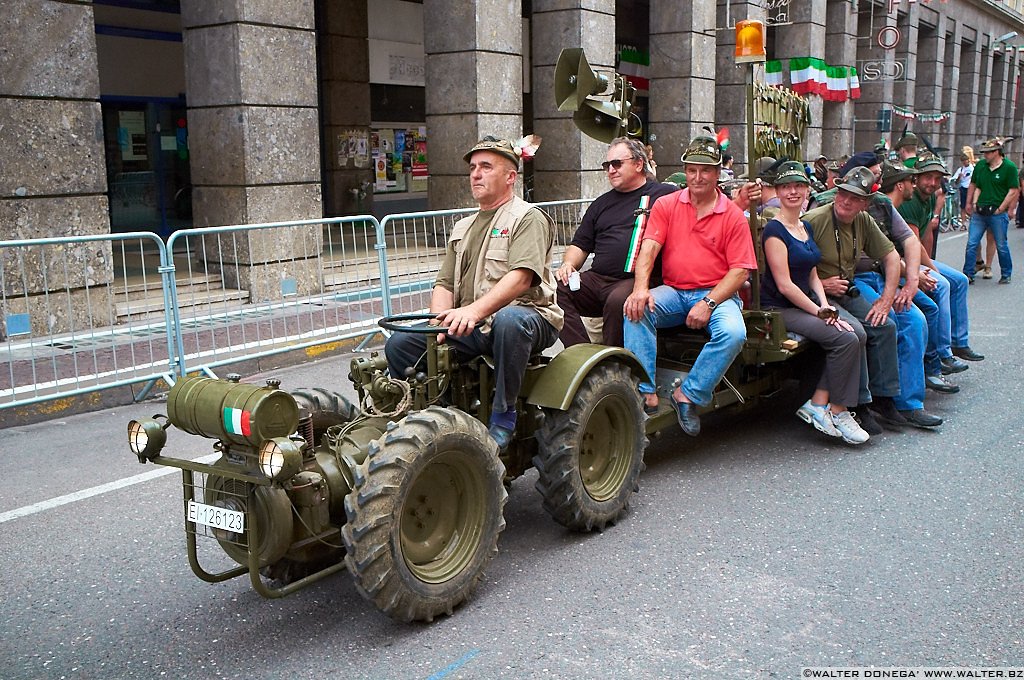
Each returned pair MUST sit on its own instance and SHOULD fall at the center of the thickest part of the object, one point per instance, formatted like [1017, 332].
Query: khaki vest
[492, 262]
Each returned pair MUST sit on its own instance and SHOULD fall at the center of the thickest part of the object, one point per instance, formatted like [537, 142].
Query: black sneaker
[885, 410]
[1004, 279]
[921, 418]
[952, 365]
[940, 384]
[867, 421]
[967, 354]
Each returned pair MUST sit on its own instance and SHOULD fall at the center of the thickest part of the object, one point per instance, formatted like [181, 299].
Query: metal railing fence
[81, 314]
[62, 329]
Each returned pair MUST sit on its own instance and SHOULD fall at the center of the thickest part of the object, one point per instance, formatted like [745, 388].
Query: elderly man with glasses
[608, 229]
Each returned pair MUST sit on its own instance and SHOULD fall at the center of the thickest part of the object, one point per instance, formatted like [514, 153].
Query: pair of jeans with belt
[728, 333]
[998, 225]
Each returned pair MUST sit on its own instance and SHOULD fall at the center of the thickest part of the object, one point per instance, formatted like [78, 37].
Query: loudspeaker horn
[575, 80]
[603, 121]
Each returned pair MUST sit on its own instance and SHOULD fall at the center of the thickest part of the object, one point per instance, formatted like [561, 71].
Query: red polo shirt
[698, 253]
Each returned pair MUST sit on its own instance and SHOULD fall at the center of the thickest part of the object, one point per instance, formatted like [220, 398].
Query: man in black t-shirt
[608, 231]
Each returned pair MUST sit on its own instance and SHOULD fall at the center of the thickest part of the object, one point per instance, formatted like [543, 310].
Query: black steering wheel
[402, 323]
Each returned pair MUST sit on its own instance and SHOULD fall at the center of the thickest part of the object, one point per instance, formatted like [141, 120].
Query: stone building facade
[271, 87]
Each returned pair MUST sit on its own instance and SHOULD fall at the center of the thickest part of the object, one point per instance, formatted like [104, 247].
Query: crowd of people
[850, 265]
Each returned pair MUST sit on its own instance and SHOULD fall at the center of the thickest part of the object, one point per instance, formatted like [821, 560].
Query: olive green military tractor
[405, 488]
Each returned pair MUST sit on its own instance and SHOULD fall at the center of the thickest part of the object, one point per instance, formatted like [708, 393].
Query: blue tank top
[803, 256]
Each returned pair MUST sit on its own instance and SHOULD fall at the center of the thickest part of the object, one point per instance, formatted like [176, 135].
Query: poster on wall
[131, 135]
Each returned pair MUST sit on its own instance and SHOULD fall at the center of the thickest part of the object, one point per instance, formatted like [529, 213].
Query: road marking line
[454, 666]
[94, 491]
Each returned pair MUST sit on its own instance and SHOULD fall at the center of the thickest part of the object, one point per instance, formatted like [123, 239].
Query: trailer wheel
[425, 514]
[591, 456]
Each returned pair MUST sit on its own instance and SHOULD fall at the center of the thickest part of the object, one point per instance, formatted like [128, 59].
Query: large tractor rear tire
[591, 456]
[425, 514]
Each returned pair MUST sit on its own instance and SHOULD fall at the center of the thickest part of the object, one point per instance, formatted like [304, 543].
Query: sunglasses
[617, 163]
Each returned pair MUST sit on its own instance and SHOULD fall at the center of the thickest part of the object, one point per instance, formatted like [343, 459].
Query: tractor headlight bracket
[146, 437]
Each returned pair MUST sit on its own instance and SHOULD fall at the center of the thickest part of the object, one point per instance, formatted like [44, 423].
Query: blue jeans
[935, 306]
[998, 225]
[728, 333]
[960, 324]
[517, 332]
[911, 338]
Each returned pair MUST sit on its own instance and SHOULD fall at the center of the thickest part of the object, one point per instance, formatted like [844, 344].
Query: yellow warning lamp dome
[750, 41]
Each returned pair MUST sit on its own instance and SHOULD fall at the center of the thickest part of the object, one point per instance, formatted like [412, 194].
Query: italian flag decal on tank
[236, 421]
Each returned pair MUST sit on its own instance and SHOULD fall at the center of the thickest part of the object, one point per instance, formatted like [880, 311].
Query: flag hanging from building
[820, 76]
[854, 83]
[773, 72]
[837, 84]
[801, 75]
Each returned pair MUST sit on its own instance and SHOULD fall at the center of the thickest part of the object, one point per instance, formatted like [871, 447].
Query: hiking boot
[849, 430]
[819, 417]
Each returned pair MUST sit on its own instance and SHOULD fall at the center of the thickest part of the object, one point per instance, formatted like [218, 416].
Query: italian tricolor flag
[634, 65]
[802, 75]
[854, 83]
[638, 233]
[820, 76]
[836, 84]
[236, 421]
[773, 72]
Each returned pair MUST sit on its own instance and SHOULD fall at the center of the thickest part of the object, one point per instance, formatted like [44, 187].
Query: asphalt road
[753, 551]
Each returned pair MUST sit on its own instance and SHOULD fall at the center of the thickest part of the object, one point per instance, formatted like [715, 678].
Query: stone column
[683, 72]
[474, 76]
[904, 93]
[931, 49]
[53, 174]
[951, 91]
[345, 95]
[806, 38]
[967, 99]
[1001, 93]
[837, 119]
[254, 135]
[568, 164]
[876, 87]
[984, 91]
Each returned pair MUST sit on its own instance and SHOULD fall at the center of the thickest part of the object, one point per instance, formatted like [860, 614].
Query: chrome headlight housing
[146, 438]
[280, 458]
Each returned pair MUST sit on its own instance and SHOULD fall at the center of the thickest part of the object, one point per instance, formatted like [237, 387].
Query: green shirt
[869, 238]
[527, 250]
[918, 211]
[993, 185]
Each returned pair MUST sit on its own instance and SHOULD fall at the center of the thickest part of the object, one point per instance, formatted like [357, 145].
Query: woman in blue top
[791, 285]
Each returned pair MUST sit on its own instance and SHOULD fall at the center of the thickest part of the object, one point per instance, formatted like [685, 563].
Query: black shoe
[867, 421]
[952, 365]
[970, 280]
[940, 384]
[686, 414]
[1004, 279]
[921, 418]
[885, 410]
[967, 354]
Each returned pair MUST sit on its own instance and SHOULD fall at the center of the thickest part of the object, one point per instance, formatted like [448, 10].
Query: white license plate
[218, 518]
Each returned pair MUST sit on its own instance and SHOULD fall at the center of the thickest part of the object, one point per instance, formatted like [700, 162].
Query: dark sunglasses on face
[617, 163]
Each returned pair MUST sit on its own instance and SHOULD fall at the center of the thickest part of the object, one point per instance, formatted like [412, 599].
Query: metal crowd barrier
[64, 330]
[81, 314]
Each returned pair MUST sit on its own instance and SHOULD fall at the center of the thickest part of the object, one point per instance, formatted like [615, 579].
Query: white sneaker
[818, 416]
[848, 428]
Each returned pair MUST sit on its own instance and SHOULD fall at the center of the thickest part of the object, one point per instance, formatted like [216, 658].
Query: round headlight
[280, 458]
[146, 438]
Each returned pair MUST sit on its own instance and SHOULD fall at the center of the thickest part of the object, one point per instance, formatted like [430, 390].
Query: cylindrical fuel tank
[231, 411]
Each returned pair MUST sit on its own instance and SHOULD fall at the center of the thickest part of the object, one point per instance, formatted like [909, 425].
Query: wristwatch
[709, 302]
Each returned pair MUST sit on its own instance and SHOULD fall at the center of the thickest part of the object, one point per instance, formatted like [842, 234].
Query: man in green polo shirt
[994, 189]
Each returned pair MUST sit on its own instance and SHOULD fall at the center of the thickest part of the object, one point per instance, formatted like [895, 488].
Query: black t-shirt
[607, 227]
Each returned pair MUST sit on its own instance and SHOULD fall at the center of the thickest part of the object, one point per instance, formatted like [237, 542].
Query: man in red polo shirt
[707, 254]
